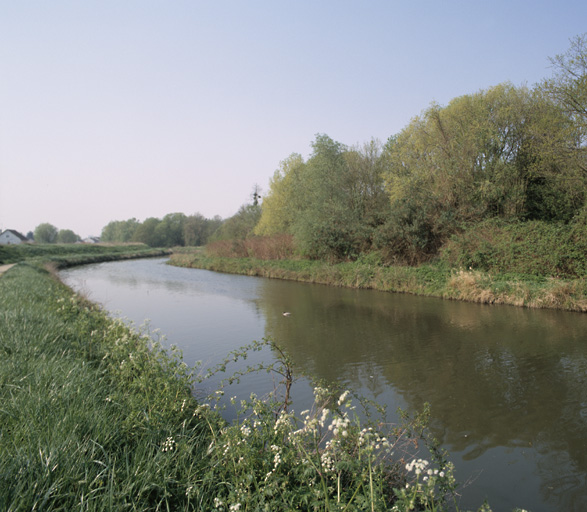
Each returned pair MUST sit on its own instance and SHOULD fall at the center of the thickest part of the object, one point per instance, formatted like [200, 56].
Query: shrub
[535, 248]
[323, 458]
[277, 247]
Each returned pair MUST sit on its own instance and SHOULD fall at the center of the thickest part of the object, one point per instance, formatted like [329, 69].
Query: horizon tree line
[509, 153]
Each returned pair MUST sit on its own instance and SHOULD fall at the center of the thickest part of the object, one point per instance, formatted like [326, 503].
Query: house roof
[16, 234]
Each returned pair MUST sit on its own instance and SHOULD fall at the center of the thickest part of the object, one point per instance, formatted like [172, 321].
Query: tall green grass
[87, 407]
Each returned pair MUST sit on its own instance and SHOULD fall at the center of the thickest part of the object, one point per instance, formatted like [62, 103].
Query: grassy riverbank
[87, 406]
[66, 255]
[96, 416]
[429, 280]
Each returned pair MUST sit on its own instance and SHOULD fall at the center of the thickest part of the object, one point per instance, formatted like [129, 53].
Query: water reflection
[507, 385]
[497, 378]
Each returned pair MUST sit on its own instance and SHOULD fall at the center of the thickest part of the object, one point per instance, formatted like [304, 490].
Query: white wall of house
[9, 238]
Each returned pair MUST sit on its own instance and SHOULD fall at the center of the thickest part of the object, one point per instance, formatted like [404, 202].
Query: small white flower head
[321, 395]
[343, 397]
[323, 416]
[168, 445]
[417, 465]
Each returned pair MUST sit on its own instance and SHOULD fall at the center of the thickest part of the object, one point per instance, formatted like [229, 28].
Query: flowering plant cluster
[322, 458]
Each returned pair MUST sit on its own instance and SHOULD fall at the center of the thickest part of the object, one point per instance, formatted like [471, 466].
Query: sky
[111, 110]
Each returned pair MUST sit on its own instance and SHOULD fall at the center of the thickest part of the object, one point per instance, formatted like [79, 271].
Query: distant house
[12, 237]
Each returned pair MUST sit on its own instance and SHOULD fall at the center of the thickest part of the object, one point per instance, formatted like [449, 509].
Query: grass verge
[88, 406]
[429, 280]
[64, 255]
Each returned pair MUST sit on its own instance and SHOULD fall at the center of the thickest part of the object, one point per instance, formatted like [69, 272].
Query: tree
[286, 198]
[169, 232]
[45, 233]
[332, 203]
[345, 201]
[486, 154]
[324, 226]
[501, 152]
[368, 196]
[197, 229]
[568, 89]
[145, 233]
[119, 231]
[568, 86]
[241, 225]
[67, 236]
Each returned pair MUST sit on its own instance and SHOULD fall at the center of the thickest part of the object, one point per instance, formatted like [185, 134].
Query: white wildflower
[168, 445]
[343, 397]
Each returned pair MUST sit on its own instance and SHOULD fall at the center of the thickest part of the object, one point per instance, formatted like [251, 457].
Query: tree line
[47, 233]
[507, 153]
[511, 153]
[174, 229]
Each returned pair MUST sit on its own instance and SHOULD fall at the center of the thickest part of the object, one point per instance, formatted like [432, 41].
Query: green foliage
[287, 198]
[331, 204]
[240, 226]
[533, 248]
[502, 152]
[414, 231]
[568, 86]
[487, 154]
[174, 230]
[119, 231]
[65, 255]
[507, 152]
[197, 229]
[93, 416]
[170, 230]
[323, 458]
[146, 233]
[45, 233]
[67, 236]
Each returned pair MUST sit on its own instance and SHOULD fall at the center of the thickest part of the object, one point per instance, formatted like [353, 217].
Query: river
[507, 386]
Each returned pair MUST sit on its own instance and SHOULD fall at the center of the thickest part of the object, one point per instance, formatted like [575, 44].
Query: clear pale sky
[117, 109]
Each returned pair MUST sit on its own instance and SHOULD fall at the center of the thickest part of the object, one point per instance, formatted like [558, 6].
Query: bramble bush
[551, 249]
